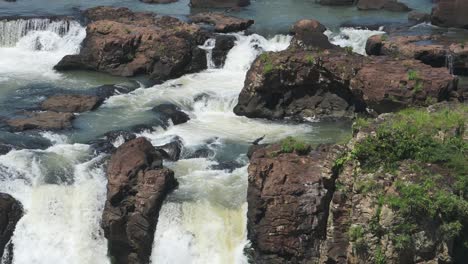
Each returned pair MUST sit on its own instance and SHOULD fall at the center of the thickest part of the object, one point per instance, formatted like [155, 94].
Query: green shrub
[413, 75]
[290, 145]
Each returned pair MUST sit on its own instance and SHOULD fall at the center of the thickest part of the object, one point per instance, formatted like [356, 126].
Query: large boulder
[171, 112]
[124, 43]
[219, 3]
[324, 84]
[389, 5]
[137, 186]
[288, 198]
[309, 33]
[10, 213]
[450, 13]
[47, 120]
[71, 103]
[222, 23]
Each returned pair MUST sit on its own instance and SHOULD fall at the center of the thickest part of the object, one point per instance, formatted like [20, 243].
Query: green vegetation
[348, 50]
[428, 155]
[413, 75]
[290, 145]
[310, 59]
[384, 37]
[267, 63]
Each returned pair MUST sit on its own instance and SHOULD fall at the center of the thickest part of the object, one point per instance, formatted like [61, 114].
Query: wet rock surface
[124, 43]
[288, 197]
[171, 112]
[222, 23]
[47, 120]
[224, 43]
[137, 187]
[10, 213]
[72, 103]
[450, 13]
[219, 3]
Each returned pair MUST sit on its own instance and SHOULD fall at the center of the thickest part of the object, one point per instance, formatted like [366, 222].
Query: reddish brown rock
[324, 84]
[434, 50]
[47, 120]
[222, 23]
[10, 213]
[137, 186]
[71, 103]
[124, 43]
[219, 3]
[450, 13]
[309, 33]
[390, 5]
[288, 197]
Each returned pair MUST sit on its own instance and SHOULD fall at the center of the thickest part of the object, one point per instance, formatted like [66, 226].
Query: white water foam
[29, 49]
[62, 215]
[352, 37]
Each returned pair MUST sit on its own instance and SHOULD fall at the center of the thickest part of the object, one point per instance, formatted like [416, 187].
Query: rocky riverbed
[208, 132]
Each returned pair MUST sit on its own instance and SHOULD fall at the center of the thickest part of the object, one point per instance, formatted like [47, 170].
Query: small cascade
[353, 37]
[208, 46]
[449, 62]
[11, 31]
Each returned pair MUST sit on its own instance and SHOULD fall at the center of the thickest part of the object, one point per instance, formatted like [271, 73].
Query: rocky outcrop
[435, 50]
[124, 43]
[137, 186]
[224, 43]
[10, 213]
[375, 200]
[450, 13]
[219, 3]
[312, 81]
[222, 23]
[71, 103]
[47, 120]
[171, 112]
[389, 5]
[309, 33]
[288, 198]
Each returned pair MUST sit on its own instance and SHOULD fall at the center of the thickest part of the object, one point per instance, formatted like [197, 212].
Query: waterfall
[29, 48]
[449, 62]
[208, 46]
[11, 31]
[352, 37]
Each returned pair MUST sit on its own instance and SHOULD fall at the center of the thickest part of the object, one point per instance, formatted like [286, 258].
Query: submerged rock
[10, 213]
[171, 112]
[137, 187]
[450, 13]
[288, 198]
[389, 5]
[124, 43]
[47, 120]
[72, 103]
[222, 23]
[171, 151]
[219, 3]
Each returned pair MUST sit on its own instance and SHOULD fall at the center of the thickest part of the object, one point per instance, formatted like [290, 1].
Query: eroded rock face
[10, 213]
[435, 51]
[124, 43]
[137, 187]
[47, 120]
[390, 5]
[310, 82]
[288, 197]
[71, 103]
[219, 3]
[222, 23]
[450, 13]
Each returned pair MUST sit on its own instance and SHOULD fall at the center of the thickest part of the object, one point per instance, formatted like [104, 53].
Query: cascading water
[352, 37]
[208, 46]
[29, 48]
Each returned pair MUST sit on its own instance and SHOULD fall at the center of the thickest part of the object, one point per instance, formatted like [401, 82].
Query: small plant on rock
[290, 145]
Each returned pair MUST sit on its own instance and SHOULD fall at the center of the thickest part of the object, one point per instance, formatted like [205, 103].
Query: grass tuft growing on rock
[290, 145]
